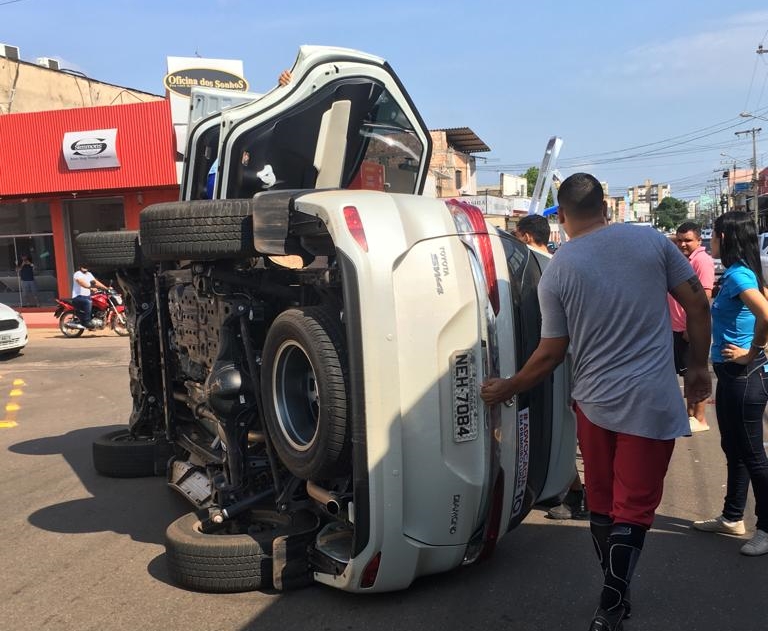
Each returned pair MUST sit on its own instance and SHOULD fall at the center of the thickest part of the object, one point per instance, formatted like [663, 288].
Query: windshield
[381, 148]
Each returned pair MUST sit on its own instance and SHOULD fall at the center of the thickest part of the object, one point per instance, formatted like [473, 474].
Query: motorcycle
[108, 312]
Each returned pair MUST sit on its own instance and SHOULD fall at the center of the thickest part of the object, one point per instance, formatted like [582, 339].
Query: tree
[670, 213]
[532, 175]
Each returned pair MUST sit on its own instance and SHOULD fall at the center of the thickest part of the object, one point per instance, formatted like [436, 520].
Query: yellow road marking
[12, 408]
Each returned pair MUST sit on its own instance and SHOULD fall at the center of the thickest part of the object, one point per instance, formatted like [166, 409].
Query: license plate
[6, 338]
[118, 299]
[464, 393]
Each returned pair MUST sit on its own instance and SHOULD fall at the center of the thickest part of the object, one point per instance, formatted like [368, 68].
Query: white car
[310, 353]
[13, 331]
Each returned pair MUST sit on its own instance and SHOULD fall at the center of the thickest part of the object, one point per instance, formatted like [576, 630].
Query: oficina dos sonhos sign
[182, 81]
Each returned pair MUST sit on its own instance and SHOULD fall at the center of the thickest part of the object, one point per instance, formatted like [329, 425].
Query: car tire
[238, 558]
[110, 250]
[304, 392]
[198, 230]
[118, 454]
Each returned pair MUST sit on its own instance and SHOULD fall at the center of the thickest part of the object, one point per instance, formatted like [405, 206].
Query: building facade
[645, 198]
[34, 87]
[68, 171]
[453, 168]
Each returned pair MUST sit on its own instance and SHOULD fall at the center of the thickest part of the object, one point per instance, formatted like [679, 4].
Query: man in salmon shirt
[688, 238]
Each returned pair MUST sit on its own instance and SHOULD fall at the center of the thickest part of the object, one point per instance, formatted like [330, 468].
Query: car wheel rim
[296, 396]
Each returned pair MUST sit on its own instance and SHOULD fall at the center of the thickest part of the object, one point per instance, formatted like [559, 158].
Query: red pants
[623, 474]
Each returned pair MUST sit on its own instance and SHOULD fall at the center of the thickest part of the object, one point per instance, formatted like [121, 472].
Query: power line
[751, 83]
[611, 156]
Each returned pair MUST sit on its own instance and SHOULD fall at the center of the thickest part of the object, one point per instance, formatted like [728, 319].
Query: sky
[636, 90]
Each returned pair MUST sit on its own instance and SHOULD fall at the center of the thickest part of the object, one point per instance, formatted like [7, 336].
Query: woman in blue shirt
[739, 338]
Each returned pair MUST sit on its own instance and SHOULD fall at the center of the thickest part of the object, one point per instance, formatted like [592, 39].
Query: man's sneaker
[572, 507]
[697, 425]
[608, 620]
[561, 511]
[581, 512]
[718, 524]
[757, 545]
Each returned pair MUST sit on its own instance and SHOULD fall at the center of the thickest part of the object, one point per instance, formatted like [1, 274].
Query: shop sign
[185, 73]
[93, 149]
[489, 204]
[182, 81]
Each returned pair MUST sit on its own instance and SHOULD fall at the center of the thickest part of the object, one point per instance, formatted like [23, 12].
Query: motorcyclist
[83, 283]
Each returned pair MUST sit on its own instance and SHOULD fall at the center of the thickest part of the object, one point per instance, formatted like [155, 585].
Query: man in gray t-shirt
[605, 294]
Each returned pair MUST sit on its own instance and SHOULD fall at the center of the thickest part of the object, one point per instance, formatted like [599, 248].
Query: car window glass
[383, 151]
[206, 151]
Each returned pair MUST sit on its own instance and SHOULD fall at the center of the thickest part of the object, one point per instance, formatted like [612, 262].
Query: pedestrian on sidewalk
[605, 295]
[739, 338]
[688, 238]
[26, 271]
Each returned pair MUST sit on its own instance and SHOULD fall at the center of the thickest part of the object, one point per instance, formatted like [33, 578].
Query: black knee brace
[600, 526]
[624, 545]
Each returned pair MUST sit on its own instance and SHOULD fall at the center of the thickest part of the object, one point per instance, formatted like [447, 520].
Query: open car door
[344, 121]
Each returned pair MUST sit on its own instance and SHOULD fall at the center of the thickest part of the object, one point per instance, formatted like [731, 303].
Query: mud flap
[290, 560]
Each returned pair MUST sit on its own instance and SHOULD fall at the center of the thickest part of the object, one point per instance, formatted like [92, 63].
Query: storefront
[79, 170]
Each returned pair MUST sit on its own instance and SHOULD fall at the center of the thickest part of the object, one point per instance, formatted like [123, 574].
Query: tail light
[471, 226]
[355, 226]
[371, 571]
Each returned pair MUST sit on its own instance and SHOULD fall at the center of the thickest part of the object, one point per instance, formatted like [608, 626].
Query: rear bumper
[425, 494]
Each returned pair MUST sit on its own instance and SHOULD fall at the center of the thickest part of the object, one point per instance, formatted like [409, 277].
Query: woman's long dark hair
[738, 242]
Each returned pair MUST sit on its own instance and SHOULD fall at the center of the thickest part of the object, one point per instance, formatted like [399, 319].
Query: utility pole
[754, 131]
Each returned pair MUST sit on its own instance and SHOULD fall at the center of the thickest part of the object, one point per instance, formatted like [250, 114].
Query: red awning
[32, 161]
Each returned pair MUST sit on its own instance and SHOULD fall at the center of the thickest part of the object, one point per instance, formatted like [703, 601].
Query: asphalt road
[81, 552]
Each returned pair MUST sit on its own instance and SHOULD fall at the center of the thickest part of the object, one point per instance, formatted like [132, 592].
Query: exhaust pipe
[328, 499]
[256, 437]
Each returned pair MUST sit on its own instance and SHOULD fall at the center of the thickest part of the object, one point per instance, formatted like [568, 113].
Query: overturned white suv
[308, 346]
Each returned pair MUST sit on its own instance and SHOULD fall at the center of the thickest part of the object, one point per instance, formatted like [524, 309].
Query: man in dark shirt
[26, 272]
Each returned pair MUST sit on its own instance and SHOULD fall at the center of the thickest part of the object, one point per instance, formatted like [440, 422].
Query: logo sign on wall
[93, 149]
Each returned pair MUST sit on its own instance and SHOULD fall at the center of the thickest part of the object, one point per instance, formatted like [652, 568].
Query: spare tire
[110, 250]
[304, 392]
[120, 454]
[199, 230]
[237, 557]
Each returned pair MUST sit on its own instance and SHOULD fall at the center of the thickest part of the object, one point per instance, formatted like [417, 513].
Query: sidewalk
[40, 318]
